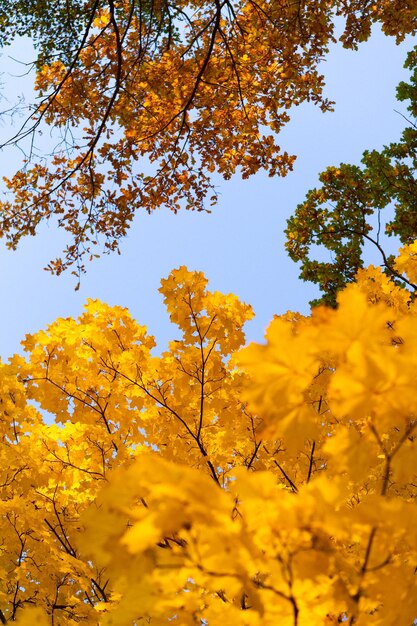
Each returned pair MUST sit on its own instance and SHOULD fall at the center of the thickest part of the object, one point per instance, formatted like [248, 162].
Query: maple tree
[210, 484]
[339, 216]
[213, 483]
[147, 99]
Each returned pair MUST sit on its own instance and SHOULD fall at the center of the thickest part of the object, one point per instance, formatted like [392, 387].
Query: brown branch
[67, 549]
[50, 99]
[287, 478]
[163, 403]
[390, 455]
[100, 589]
[376, 243]
[255, 452]
[364, 568]
[310, 466]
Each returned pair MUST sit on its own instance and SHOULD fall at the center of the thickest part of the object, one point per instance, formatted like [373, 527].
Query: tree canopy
[148, 99]
[213, 485]
[340, 215]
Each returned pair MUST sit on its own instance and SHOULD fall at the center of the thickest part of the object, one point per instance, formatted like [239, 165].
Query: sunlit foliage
[212, 484]
[146, 100]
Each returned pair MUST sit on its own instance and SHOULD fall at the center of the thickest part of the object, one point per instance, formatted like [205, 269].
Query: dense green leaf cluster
[345, 212]
[55, 27]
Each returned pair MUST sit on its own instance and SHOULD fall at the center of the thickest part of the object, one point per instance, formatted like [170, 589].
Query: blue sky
[240, 246]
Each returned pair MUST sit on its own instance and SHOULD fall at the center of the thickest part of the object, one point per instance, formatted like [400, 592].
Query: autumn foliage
[211, 484]
[146, 100]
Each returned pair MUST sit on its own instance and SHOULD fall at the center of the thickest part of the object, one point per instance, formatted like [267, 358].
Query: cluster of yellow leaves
[185, 89]
[273, 484]
[406, 262]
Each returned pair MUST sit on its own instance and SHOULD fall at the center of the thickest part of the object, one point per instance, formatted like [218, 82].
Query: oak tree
[147, 99]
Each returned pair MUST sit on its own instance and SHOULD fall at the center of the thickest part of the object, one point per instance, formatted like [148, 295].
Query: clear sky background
[240, 245]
